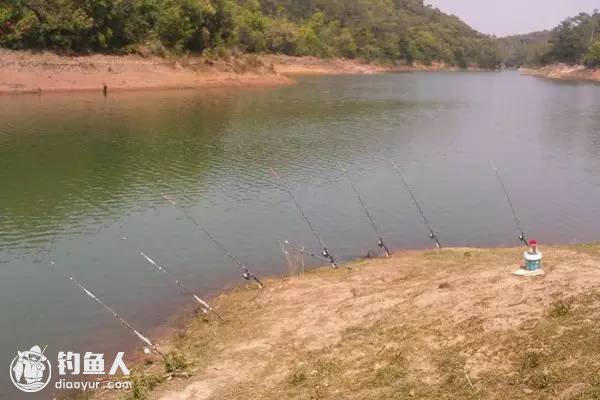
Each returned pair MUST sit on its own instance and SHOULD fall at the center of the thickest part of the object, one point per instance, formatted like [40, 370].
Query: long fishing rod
[522, 237]
[432, 235]
[143, 339]
[204, 306]
[380, 242]
[324, 252]
[246, 273]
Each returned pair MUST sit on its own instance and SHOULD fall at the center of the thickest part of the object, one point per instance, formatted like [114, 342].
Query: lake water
[78, 172]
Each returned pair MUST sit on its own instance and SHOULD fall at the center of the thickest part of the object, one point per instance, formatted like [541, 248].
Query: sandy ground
[317, 66]
[27, 72]
[450, 324]
[565, 72]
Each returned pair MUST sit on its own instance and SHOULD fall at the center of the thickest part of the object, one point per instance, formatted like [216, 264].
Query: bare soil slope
[26, 72]
[450, 324]
[564, 72]
[29, 72]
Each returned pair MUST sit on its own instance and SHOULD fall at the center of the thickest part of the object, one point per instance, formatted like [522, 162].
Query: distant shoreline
[564, 72]
[24, 72]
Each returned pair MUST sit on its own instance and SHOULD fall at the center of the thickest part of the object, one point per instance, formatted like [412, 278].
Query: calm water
[78, 172]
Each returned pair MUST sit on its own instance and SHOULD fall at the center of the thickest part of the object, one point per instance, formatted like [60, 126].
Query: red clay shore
[29, 72]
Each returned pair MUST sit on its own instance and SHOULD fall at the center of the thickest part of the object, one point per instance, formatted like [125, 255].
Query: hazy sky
[507, 17]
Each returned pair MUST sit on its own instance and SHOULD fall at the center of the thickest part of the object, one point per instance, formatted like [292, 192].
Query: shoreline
[564, 72]
[331, 332]
[25, 72]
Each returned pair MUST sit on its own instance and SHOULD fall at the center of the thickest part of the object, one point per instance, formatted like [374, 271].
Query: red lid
[533, 242]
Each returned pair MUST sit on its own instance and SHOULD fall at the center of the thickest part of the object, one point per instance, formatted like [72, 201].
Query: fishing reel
[329, 257]
[247, 275]
[384, 247]
[523, 239]
[433, 237]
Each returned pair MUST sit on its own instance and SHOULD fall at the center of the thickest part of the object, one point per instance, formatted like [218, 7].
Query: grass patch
[175, 362]
[142, 384]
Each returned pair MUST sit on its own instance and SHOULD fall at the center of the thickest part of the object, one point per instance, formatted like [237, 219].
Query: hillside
[575, 41]
[449, 324]
[395, 31]
[527, 49]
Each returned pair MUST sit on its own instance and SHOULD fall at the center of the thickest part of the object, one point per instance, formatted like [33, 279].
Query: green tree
[385, 30]
[592, 57]
[569, 41]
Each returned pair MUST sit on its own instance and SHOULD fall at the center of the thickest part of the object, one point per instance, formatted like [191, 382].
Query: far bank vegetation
[385, 31]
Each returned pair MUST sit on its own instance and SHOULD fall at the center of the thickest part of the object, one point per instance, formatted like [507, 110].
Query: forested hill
[576, 40]
[373, 30]
[527, 49]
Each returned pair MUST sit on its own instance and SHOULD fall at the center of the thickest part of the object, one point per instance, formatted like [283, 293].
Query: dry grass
[451, 324]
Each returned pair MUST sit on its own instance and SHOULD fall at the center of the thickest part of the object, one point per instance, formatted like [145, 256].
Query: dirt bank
[317, 66]
[450, 324]
[26, 72]
[565, 72]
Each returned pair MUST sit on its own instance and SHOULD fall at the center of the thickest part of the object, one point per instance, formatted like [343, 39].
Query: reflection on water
[80, 172]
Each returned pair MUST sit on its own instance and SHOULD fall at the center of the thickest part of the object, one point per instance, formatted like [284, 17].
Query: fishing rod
[246, 273]
[204, 306]
[522, 237]
[304, 251]
[380, 242]
[143, 339]
[285, 189]
[432, 235]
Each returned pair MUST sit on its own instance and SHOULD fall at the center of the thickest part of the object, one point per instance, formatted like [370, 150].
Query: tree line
[373, 30]
[576, 40]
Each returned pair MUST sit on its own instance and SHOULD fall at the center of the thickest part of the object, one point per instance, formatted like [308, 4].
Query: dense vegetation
[575, 41]
[528, 49]
[385, 30]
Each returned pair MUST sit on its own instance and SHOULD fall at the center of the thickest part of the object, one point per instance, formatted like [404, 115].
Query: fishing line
[246, 273]
[143, 339]
[295, 247]
[285, 189]
[432, 234]
[204, 306]
[522, 237]
[380, 242]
